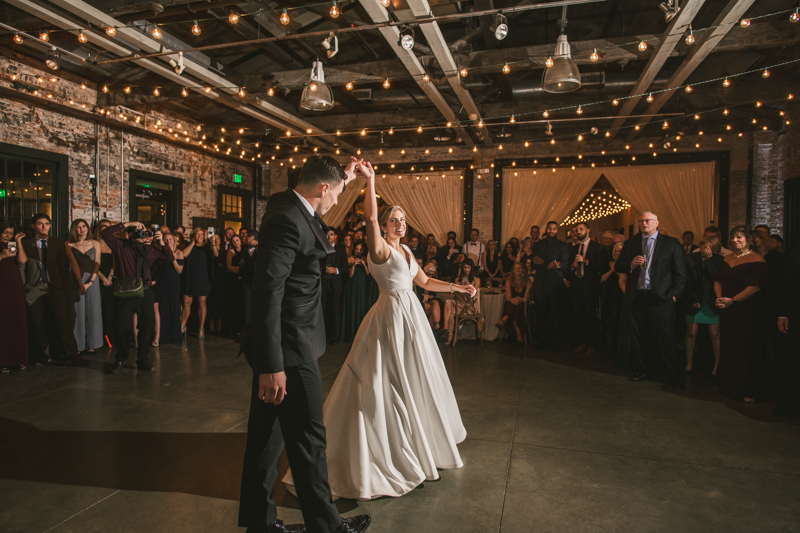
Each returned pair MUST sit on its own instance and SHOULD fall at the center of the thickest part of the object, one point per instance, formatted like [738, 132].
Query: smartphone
[12, 247]
[210, 232]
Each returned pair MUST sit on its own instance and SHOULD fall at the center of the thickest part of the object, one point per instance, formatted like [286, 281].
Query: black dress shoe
[145, 366]
[116, 368]
[279, 527]
[638, 377]
[354, 524]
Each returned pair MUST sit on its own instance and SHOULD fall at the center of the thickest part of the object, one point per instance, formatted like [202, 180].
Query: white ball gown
[391, 417]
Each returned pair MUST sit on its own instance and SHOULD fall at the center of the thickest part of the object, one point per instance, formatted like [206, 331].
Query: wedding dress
[391, 417]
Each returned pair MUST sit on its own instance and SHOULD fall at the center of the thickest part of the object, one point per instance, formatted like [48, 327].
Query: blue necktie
[44, 261]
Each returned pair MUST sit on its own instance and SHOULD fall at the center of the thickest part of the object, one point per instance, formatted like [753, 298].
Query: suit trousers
[788, 367]
[146, 322]
[296, 422]
[654, 346]
[48, 307]
[331, 310]
[549, 315]
[585, 300]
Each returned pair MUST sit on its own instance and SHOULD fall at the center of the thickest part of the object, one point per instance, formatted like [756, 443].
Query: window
[233, 208]
[232, 205]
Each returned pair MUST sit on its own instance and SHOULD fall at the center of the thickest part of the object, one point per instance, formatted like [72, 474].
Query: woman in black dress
[508, 258]
[769, 338]
[106, 276]
[197, 257]
[490, 261]
[518, 288]
[740, 277]
[611, 301]
[234, 293]
[169, 283]
[13, 312]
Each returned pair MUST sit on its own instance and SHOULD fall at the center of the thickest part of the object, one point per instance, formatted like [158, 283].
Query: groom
[282, 342]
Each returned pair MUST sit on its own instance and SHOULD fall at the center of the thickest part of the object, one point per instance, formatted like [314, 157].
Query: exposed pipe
[95, 187]
[122, 176]
[528, 89]
[108, 161]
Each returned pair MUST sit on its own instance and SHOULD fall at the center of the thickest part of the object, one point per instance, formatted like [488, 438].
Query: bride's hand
[469, 289]
[365, 167]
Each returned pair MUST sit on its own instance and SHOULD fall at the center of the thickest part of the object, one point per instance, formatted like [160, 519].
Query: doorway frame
[177, 189]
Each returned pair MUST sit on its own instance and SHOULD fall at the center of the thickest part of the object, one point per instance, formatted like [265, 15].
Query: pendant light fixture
[563, 76]
[321, 98]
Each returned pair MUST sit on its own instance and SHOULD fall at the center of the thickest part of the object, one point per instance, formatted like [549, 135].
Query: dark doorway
[155, 199]
[233, 208]
[791, 213]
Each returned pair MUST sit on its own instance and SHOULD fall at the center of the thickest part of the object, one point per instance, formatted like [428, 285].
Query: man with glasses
[656, 272]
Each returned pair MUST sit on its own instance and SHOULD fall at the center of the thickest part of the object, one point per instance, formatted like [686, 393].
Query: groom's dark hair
[320, 169]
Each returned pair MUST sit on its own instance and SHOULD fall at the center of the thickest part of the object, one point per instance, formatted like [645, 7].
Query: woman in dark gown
[354, 298]
[508, 258]
[169, 308]
[106, 275]
[769, 337]
[197, 258]
[518, 288]
[234, 292]
[611, 298]
[490, 262]
[739, 279]
[13, 311]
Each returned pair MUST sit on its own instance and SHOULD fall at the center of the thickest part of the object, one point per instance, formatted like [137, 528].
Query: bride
[391, 417]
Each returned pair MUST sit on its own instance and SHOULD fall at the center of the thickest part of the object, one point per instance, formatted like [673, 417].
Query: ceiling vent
[362, 95]
[593, 78]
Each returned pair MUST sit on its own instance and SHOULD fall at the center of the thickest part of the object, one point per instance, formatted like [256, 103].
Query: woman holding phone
[13, 312]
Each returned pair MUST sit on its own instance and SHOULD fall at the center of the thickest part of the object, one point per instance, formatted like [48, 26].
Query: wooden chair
[469, 311]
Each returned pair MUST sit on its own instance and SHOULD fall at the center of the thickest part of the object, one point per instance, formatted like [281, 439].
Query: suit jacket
[57, 264]
[551, 250]
[287, 327]
[338, 259]
[789, 305]
[667, 269]
[692, 248]
[700, 281]
[595, 264]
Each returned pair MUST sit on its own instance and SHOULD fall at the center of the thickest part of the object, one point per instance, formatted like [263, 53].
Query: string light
[512, 119]
[794, 17]
[127, 89]
[580, 110]
[184, 92]
[615, 102]
[241, 92]
[386, 83]
[156, 92]
[196, 28]
[111, 31]
[690, 37]
[17, 38]
[157, 33]
[207, 90]
[549, 63]
[765, 74]
[745, 23]
[464, 73]
[349, 86]
[642, 46]
[688, 88]
[546, 114]
[44, 36]
[270, 92]
[726, 82]
[419, 129]
[285, 17]
[82, 37]
[426, 78]
[594, 57]
[506, 69]
[334, 10]
[385, 3]
[650, 98]
[105, 88]
[233, 17]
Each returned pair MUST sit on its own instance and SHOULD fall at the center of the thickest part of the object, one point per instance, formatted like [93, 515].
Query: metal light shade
[563, 76]
[53, 59]
[317, 95]
[500, 27]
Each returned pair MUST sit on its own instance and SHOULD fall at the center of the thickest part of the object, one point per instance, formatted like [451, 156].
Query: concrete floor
[556, 443]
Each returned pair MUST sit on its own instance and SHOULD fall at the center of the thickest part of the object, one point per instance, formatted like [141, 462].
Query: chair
[470, 310]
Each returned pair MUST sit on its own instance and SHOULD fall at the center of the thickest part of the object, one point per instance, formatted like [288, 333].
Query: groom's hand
[272, 387]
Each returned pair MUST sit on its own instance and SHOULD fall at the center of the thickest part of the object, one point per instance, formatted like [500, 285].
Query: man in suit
[282, 344]
[332, 286]
[688, 243]
[588, 262]
[416, 249]
[550, 262]
[656, 274]
[788, 362]
[46, 276]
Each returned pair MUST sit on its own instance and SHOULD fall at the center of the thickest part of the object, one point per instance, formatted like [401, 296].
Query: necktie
[44, 261]
[643, 274]
[580, 265]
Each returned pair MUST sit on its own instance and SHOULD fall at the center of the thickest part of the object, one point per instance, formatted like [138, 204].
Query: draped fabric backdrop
[335, 216]
[682, 195]
[537, 196]
[433, 202]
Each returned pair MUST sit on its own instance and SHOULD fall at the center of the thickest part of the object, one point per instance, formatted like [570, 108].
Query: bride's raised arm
[378, 247]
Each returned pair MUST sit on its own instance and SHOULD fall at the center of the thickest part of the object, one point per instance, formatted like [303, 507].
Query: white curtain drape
[537, 196]
[433, 202]
[335, 216]
[682, 195]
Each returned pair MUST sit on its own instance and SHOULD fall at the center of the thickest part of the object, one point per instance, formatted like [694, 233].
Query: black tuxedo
[652, 312]
[788, 364]
[584, 289]
[550, 291]
[286, 334]
[332, 286]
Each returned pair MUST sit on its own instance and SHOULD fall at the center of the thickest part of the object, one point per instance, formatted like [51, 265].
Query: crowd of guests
[642, 301]
[117, 285]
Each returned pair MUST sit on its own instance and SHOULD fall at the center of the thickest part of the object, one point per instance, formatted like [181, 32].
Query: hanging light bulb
[546, 114]
[419, 129]
[349, 86]
[386, 3]
[580, 137]
[127, 89]
[595, 57]
[241, 92]
[391, 131]
[233, 17]
[285, 17]
[386, 83]
[44, 36]
[111, 31]
[506, 69]
[270, 92]
[726, 82]
[156, 92]
[614, 102]
[650, 98]
[697, 117]
[185, 93]
[426, 78]
[794, 17]
[690, 37]
[665, 125]
[157, 33]
[765, 74]
[688, 89]
[642, 46]
[207, 90]
[334, 10]
[549, 62]
[480, 123]
[759, 104]
[196, 28]
[82, 37]
[580, 110]
[512, 119]
[745, 23]
[105, 88]
[363, 132]
[464, 73]
[725, 112]
[83, 86]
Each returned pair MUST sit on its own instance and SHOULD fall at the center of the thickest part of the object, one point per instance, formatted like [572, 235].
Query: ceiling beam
[663, 50]
[733, 11]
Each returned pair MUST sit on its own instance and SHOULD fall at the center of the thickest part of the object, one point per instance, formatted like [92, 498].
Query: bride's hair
[386, 213]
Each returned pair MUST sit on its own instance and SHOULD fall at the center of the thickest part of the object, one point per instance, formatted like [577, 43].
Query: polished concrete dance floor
[556, 443]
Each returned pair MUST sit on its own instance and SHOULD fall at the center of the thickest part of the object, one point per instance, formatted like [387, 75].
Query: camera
[138, 233]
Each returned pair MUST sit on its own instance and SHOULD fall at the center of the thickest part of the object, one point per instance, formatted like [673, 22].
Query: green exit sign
[2, 193]
[237, 178]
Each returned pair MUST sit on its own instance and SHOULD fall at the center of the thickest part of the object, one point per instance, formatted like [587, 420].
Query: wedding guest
[777, 243]
[551, 261]
[508, 258]
[518, 288]
[787, 362]
[525, 251]
[197, 257]
[234, 297]
[416, 249]
[515, 243]
[465, 276]
[134, 258]
[713, 231]
[430, 240]
[740, 277]
[534, 234]
[699, 298]
[13, 319]
[332, 287]
[215, 303]
[106, 277]
[83, 254]
[46, 277]
[492, 267]
[608, 241]
[447, 255]
[354, 295]
[358, 237]
[767, 318]
[611, 301]
[656, 276]
[588, 262]
[347, 243]
[474, 250]
[619, 238]
[169, 305]
[688, 243]
[431, 253]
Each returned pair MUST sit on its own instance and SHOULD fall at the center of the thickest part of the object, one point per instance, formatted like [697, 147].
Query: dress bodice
[395, 274]
[85, 260]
